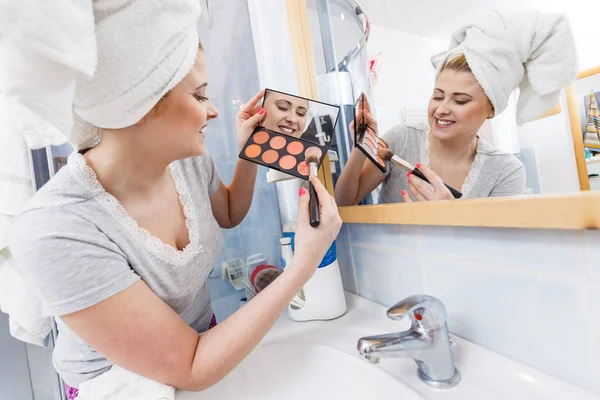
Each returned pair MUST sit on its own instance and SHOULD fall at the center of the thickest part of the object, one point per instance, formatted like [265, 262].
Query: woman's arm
[137, 331]
[230, 204]
[358, 178]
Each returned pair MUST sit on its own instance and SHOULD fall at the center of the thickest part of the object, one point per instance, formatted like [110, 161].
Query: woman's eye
[301, 115]
[438, 98]
[462, 102]
[200, 98]
[282, 108]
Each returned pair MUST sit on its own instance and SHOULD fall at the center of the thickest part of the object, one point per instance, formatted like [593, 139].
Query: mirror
[299, 117]
[292, 127]
[385, 51]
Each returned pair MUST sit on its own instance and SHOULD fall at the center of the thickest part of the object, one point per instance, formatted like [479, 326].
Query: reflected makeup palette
[280, 152]
[366, 140]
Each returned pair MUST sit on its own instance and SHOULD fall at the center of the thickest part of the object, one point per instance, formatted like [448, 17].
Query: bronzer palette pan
[291, 125]
[280, 152]
[365, 138]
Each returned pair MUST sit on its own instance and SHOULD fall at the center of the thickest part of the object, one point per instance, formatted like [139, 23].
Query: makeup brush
[312, 155]
[387, 155]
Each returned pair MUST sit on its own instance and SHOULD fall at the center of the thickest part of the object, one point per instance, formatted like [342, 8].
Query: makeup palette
[291, 126]
[366, 139]
[280, 152]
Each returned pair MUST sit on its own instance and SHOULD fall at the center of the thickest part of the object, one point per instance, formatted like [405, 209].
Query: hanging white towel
[44, 47]
[19, 301]
[526, 49]
[120, 384]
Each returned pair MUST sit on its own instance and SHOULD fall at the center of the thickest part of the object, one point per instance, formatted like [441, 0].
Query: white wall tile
[591, 241]
[344, 257]
[539, 319]
[387, 276]
[344, 235]
[392, 236]
[546, 250]
[594, 288]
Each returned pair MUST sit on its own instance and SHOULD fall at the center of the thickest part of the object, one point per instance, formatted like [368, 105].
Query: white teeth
[287, 130]
[444, 122]
[203, 131]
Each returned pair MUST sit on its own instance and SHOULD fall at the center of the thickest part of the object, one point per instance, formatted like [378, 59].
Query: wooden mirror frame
[571, 211]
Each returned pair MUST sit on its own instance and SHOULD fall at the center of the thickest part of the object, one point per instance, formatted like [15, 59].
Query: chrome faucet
[427, 341]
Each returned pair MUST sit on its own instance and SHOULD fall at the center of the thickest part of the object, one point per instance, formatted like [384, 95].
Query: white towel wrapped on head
[526, 49]
[145, 48]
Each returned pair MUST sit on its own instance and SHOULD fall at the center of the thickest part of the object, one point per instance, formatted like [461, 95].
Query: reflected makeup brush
[313, 155]
[387, 155]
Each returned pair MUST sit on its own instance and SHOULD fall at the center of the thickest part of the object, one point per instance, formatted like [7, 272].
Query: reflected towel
[526, 49]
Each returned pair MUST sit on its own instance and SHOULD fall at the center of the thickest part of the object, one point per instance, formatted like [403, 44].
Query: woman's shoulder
[503, 161]
[411, 134]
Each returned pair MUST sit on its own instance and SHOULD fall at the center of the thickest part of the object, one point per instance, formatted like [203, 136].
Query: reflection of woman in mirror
[286, 114]
[448, 143]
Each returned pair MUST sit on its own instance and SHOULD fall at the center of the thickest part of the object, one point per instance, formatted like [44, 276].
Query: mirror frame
[567, 211]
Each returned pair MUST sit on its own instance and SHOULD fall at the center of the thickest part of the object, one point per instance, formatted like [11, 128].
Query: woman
[119, 245]
[448, 144]
[487, 59]
[286, 114]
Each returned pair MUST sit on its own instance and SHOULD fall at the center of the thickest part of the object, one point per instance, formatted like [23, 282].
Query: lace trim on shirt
[156, 246]
[474, 171]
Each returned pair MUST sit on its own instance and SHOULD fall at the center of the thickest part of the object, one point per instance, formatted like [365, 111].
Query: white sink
[318, 361]
[287, 370]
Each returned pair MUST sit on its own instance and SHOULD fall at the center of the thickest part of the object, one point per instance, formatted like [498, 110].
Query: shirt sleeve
[67, 260]
[511, 183]
[209, 168]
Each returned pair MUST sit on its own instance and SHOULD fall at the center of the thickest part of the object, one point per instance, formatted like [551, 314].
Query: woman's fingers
[252, 103]
[418, 188]
[406, 196]
[434, 179]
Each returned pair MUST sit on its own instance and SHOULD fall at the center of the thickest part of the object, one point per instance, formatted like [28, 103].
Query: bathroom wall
[233, 80]
[532, 295]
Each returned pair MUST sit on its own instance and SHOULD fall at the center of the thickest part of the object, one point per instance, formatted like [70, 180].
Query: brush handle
[313, 206]
[419, 174]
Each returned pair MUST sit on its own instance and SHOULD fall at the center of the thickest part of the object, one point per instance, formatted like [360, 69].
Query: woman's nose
[213, 111]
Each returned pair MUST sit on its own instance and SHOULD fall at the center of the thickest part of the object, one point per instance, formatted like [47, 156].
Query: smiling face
[458, 106]
[177, 123]
[285, 114]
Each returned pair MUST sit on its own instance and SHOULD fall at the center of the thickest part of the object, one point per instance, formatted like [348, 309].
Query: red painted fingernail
[302, 192]
[408, 174]
[404, 193]
[262, 111]
[419, 165]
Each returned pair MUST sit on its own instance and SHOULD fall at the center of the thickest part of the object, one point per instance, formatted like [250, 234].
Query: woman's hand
[249, 116]
[370, 121]
[311, 244]
[424, 192]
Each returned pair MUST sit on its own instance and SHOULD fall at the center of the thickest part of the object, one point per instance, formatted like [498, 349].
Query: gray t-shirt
[77, 246]
[493, 173]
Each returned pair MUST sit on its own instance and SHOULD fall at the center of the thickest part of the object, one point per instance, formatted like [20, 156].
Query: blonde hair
[458, 63]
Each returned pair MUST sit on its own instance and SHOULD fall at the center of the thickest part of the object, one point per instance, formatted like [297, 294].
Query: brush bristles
[312, 155]
[385, 154]
[312, 159]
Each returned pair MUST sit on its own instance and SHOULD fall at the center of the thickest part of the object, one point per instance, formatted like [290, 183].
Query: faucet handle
[423, 310]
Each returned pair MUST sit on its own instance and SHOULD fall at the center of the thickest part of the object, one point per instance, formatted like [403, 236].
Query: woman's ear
[492, 113]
